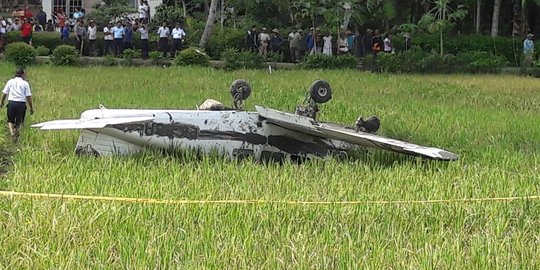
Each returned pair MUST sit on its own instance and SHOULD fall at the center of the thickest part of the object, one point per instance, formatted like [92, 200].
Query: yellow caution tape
[185, 202]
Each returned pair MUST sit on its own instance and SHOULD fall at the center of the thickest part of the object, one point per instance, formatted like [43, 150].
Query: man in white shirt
[15, 26]
[17, 91]
[118, 35]
[163, 33]
[264, 39]
[92, 36]
[178, 35]
[108, 38]
[143, 12]
[143, 30]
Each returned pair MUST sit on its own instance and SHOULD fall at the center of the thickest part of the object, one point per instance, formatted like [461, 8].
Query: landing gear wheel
[240, 90]
[320, 91]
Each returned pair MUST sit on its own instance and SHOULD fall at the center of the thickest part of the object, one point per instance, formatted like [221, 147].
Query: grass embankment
[491, 121]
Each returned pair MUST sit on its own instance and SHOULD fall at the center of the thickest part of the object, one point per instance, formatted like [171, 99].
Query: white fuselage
[232, 133]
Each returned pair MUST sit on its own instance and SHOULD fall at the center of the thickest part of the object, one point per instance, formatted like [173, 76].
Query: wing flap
[89, 124]
[372, 140]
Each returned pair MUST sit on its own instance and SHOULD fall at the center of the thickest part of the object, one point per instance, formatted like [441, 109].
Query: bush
[65, 55]
[52, 40]
[235, 59]
[43, 51]
[223, 40]
[421, 62]
[505, 47]
[155, 55]
[191, 56]
[329, 62]
[20, 53]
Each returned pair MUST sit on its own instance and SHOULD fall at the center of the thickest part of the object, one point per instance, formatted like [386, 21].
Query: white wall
[47, 7]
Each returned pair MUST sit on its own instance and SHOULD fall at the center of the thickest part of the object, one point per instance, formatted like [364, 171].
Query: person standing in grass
[80, 35]
[143, 30]
[528, 51]
[92, 36]
[17, 91]
[118, 34]
[26, 32]
[65, 34]
[108, 39]
[128, 37]
[163, 33]
[3, 31]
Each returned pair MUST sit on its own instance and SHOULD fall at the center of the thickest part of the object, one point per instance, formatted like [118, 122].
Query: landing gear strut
[319, 92]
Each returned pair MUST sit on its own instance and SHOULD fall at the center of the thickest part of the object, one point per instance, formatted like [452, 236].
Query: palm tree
[495, 19]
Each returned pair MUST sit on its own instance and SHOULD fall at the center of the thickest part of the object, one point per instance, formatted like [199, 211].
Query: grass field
[491, 121]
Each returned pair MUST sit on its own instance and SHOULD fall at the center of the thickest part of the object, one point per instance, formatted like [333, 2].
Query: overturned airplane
[265, 134]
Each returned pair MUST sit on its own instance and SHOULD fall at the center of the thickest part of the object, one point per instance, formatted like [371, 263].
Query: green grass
[491, 121]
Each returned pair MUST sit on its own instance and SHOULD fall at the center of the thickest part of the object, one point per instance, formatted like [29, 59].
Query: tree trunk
[495, 18]
[516, 20]
[222, 14]
[209, 24]
[184, 7]
[478, 15]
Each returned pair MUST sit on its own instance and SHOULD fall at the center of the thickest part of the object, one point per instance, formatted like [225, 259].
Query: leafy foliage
[235, 59]
[43, 51]
[323, 61]
[418, 61]
[65, 55]
[110, 10]
[20, 53]
[191, 56]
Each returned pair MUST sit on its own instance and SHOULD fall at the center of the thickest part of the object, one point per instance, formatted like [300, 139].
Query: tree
[478, 16]
[495, 18]
[441, 17]
[210, 22]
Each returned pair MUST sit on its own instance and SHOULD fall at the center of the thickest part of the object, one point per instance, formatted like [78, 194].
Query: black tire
[241, 87]
[320, 91]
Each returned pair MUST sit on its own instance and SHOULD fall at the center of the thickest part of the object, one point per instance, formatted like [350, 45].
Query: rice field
[491, 121]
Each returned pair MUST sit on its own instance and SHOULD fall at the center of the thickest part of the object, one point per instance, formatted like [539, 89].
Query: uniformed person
[18, 93]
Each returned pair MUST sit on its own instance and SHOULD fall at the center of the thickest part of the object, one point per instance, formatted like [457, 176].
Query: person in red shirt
[26, 32]
[27, 13]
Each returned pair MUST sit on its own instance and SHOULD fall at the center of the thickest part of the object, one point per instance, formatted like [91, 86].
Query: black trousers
[163, 44]
[118, 45]
[144, 48]
[92, 47]
[176, 46]
[108, 49]
[16, 112]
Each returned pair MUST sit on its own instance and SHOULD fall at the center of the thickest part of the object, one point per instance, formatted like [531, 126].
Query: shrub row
[322, 61]
[419, 61]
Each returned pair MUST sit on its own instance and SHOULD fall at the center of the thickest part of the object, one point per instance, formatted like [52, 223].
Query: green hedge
[52, 40]
[418, 61]
[510, 49]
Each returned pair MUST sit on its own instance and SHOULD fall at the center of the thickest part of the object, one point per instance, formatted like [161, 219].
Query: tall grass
[490, 121]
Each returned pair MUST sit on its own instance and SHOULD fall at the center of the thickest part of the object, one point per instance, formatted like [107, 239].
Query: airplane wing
[337, 132]
[89, 124]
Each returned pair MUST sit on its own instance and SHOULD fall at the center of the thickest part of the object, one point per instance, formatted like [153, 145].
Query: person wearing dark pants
[163, 33]
[80, 32]
[108, 39]
[143, 30]
[92, 36]
[178, 35]
[118, 42]
[128, 36]
[17, 91]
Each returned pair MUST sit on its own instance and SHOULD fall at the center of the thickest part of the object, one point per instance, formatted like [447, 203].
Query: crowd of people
[317, 42]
